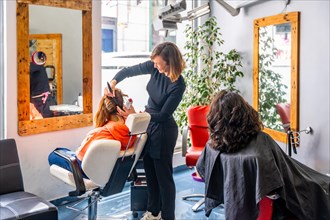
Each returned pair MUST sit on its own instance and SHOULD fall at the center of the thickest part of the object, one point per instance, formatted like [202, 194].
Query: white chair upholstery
[136, 123]
[99, 160]
[102, 161]
[67, 177]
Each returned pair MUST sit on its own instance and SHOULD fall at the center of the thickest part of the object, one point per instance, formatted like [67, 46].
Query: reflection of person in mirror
[39, 86]
[165, 88]
[108, 125]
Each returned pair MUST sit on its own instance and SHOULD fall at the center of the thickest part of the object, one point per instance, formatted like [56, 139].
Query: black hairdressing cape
[240, 180]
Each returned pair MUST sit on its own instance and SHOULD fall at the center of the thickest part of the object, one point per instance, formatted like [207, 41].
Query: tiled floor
[118, 206]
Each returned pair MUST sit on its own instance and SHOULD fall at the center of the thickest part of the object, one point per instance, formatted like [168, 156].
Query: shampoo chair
[106, 166]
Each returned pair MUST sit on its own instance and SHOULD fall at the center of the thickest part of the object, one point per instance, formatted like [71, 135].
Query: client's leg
[53, 158]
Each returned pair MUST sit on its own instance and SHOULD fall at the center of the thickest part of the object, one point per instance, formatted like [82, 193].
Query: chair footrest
[93, 197]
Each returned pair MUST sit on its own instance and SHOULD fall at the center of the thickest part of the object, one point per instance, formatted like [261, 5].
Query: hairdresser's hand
[113, 87]
[125, 112]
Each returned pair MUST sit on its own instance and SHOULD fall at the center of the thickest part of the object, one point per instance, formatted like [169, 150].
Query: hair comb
[111, 91]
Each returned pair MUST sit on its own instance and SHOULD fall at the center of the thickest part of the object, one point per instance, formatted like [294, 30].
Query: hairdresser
[165, 88]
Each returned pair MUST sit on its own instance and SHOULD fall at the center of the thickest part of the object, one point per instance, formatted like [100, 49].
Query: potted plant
[208, 70]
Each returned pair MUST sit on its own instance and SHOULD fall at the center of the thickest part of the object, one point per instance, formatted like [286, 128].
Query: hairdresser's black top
[38, 80]
[164, 98]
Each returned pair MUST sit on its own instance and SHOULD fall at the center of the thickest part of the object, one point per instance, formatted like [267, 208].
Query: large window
[128, 37]
[107, 40]
[127, 25]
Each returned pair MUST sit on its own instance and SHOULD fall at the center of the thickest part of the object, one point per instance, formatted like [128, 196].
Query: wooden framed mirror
[80, 119]
[275, 71]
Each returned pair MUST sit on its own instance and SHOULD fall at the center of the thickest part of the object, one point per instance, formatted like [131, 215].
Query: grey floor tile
[117, 207]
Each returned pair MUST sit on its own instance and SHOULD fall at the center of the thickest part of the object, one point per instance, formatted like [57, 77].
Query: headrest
[137, 123]
[197, 115]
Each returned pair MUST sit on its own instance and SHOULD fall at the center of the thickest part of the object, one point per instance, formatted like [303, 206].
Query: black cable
[289, 141]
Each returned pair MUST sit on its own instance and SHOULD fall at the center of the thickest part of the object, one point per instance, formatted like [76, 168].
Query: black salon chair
[15, 203]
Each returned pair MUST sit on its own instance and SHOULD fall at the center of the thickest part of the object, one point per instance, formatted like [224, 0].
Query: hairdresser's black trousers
[160, 182]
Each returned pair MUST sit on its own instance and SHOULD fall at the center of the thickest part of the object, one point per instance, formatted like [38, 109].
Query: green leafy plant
[271, 88]
[207, 70]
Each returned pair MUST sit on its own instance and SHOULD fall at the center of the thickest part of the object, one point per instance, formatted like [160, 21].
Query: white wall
[34, 149]
[313, 67]
[238, 33]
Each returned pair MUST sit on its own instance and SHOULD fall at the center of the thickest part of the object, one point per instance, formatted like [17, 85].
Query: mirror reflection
[58, 29]
[50, 70]
[70, 51]
[39, 58]
[51, 46]
[275, 70]
[40, 95]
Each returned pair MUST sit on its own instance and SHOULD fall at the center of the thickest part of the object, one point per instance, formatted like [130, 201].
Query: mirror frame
[25, 125]
[293, 18]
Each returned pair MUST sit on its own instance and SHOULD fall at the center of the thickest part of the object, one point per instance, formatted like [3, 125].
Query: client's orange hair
[108, 107]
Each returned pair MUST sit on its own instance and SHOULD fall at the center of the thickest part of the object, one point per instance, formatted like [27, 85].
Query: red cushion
[198, 136]
[197, 115]
[197, 123]
[265, 209]
[193, 154]
[198, 126]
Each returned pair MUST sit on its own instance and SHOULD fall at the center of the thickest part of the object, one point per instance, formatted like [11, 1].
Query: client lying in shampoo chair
[106, 157]
[108, 126]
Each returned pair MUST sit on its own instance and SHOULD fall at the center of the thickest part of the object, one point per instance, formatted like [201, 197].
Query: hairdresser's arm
[136, 70]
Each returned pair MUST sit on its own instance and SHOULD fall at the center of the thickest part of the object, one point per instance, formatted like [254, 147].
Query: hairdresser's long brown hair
[171, 54]
[232, 122]
[108, 107]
